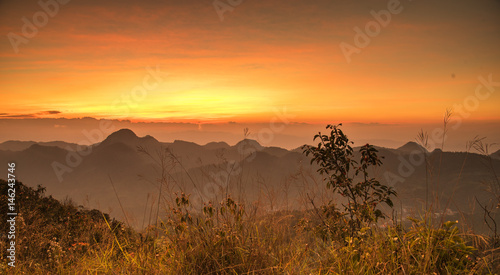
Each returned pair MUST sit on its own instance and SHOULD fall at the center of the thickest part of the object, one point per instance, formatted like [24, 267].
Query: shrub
[350, 179]
[53, 236]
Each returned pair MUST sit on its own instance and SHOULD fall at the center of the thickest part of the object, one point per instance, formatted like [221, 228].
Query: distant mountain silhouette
[129, 138]
[496, 155]
[122, 135]
[15, 145]
[39, 150]
[411, 147]
[247, 170]
[216, 145]
[249, 144]
[276, 151]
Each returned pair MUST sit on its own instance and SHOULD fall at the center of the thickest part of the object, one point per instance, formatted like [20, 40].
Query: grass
[226, 238]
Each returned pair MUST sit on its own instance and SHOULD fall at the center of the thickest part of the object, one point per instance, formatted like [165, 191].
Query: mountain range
[121, 175]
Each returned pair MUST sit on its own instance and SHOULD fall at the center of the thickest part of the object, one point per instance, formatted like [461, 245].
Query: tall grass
[226, 238]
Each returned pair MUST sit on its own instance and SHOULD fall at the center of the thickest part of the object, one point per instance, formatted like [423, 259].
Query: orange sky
[91, 56]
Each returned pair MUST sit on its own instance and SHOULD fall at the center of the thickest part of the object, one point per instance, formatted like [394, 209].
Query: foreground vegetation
[227, 238]
[230, 237]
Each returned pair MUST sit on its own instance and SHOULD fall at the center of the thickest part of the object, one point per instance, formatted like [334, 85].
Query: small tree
[349, 178]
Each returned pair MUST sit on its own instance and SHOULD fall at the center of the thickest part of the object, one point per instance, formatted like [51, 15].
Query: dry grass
[224, 238]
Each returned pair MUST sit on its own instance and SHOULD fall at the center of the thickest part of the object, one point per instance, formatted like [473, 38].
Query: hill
[15, 145]
[411, 147]
[47, 229]
[496, 155]
[53, 237]
[127, 169]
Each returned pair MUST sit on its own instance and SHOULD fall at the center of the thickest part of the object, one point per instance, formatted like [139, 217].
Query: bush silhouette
[350, 178]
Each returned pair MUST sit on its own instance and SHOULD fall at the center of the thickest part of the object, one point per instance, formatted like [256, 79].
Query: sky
[211, 68]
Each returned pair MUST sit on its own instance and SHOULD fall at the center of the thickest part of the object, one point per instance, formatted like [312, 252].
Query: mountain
[411, 147]
[116, 171]
[249, 144]
[496, 155]
[15, 145]
[216, 145]
[129, 138]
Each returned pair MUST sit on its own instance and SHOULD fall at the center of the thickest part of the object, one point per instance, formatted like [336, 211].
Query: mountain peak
[249, 143]
[126, 136]
[216, 145]
[125, 132]
[16, 145]
[412, 146]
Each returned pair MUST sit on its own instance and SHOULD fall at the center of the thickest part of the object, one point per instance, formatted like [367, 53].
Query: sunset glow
[91, 59]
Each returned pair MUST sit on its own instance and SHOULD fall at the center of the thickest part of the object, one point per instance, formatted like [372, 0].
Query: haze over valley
[125, 168]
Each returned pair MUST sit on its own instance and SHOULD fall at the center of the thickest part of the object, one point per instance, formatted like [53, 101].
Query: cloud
[49, 113]
[371, 124]
[33, 115]
[5, 115]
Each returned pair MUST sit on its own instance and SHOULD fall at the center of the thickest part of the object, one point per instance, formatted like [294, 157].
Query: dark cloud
[5, 115]
[50, 113]
[35, 115]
